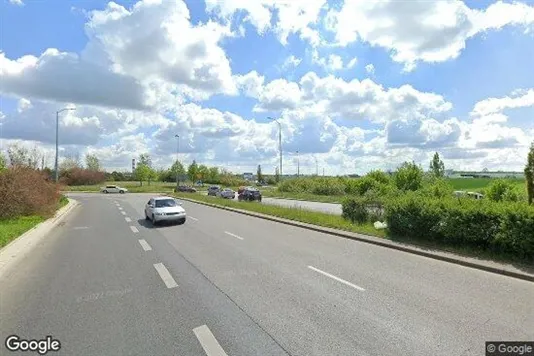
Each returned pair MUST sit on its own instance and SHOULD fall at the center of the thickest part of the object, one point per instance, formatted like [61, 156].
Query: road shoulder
[23, 244]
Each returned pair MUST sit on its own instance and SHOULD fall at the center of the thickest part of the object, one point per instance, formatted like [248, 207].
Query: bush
[80, 176]
[25, 191]
[355, 210]
[409, 176]
[499, 227]
[317, 185]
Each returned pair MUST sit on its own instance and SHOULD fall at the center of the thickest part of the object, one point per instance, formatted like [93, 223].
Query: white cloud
[331, 63]
[292, 61]
[370, 69]
[498, 105]
[279, 95]
[16, 2]
[251, 83]
[429, 31]
[352, 62]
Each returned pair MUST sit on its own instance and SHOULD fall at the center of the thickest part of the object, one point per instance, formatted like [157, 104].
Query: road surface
[329, 208]
[107, 283]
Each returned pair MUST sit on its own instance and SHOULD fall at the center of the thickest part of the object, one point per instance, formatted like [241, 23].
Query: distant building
[449, 173]
[248, 176]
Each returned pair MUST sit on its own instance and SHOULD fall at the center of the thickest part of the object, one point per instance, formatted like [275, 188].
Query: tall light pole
[279, 143]
[56, 173]
[298, 165]
[177, 155]
[316, 166]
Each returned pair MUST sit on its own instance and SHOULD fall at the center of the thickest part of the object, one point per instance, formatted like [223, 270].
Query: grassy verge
[13, 228]
[310, 217]
[274, 193]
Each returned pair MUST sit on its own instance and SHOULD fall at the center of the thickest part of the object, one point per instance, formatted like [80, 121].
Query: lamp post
[316, 166]
[56, 173]
[177, 155]
[279, 143]
[298, 165]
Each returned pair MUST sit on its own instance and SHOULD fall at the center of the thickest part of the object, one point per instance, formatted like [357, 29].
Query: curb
[23, 244]
[375, 241]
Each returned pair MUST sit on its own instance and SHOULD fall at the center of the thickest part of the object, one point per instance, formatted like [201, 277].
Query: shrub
[409, 176]
[80, 176]
[379, 176]
[355, 210]
[318, 185]
[25, 191]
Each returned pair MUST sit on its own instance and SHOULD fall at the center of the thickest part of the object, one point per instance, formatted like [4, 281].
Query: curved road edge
[23, 244]
[487, 266]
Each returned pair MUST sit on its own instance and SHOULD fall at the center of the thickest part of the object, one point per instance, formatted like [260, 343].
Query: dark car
[249, 194]
[185, 188]
[213, 190]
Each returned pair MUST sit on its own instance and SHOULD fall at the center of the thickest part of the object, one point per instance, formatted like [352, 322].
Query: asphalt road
[225, 281]
[329, 208]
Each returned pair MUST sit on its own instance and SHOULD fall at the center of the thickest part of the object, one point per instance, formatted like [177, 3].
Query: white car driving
[113, 189]
[164, 208]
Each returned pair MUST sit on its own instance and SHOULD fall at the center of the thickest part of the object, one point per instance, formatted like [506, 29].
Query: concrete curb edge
[21, 245]
[385, 243]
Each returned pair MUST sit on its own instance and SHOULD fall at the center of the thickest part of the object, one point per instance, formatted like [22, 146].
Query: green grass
[476, 183]
[13, 228]
[274, 193]
[306, 216]
[133, 187]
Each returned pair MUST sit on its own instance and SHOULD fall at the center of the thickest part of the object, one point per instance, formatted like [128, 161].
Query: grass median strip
[297, 214]
[13, 228]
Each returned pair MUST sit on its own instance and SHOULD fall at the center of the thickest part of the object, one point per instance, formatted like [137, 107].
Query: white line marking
[128, 219]
[208, 342]
[120, 208]
[165, 275]
[336, 278]
[233, 235]
[145, 245]
[81, 227]
[134, 229]
[123, 212]
[190, 217]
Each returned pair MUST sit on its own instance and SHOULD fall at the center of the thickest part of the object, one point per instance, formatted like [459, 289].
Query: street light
[279, 143]
[298, 165]
[57, 140]
[177, 154]
[316, 166]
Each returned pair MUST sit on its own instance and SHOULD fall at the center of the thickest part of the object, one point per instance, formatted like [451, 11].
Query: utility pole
[56, 173]
[279, 143]
[177, 155]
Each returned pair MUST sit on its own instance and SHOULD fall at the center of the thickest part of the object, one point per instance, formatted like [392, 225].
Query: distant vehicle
[249, 194]
[213, 190]
[473, 195]
[226, 193]
[164, 208]
[187, 189]
[113, 189]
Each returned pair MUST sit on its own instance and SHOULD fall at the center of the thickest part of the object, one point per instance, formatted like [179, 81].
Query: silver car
[113, 189]
[227, 193]
[164, 208]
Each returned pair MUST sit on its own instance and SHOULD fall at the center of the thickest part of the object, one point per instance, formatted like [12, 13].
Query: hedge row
[499, 227]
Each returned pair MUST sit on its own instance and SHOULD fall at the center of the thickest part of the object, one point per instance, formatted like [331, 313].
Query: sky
[354, 85]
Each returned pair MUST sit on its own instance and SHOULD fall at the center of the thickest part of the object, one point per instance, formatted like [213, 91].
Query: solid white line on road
[123, 212]
[120, 208]
[336, 278]
[134, 229]
[145, 245]
[116, 202]
[128, 219]
[190, 217]
[165, 275]
[81, 227]
[233, 235]
[208, 342]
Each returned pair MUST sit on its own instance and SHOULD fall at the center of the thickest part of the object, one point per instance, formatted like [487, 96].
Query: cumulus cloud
[292, 61]
[16, 2]
[428, 31]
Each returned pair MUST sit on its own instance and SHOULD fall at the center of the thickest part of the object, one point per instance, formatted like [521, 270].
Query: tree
[142, 173]
[20, 156]
[277, 175]
[437, 167]
[529, 174]
[258, 173]
[213, 175]
[409, 176]
[203, 172]
[92, 162]
[192, 171]
[3, 163]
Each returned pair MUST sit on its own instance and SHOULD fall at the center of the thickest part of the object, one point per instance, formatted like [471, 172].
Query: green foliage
[379, 176]
[355, 210]
[92, 163]
[213, 175]
[409, 177]
[437, 167]
[259, 174]
[437, 188]
[315, 185]
[142, 173]
[3, 163]
[276, 175]
[502, 190]
[192, 171]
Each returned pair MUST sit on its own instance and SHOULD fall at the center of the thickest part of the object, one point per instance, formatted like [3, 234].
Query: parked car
[472, 195]
[213, 190]
[187, 189]
[226, 193]
[113, 189]
[164, 208]
[249, 194]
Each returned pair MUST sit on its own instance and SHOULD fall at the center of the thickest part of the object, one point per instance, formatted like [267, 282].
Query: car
[226, 193]
[164, 208]
[185, 188]
[213, 190]
[113, 189]
[249, 194]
